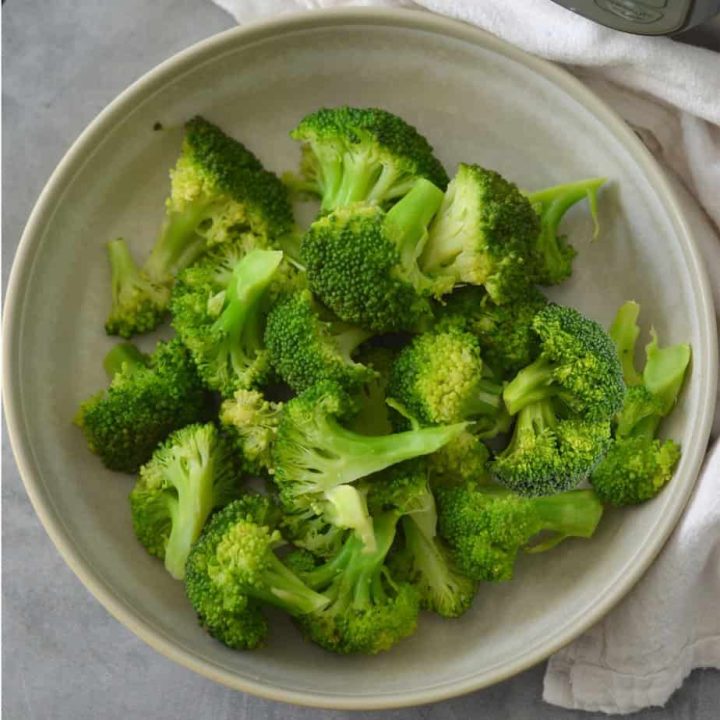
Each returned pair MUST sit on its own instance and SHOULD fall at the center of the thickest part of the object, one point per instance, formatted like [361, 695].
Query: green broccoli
[422, 559]
[191, 474]
[252, 422]
[507, 340]
[219, 193]
[577, 365]
[316, 458]
[483, 234]
[549, 454]
[307, 344]
[486, 526]
[362, 154]
[553, 254]
[147, 399]
[638, 464]
[232, 571]
[362, 262]
[463, 458]
[373, 415]
[369, 611]
[439, 378]
[222, 323]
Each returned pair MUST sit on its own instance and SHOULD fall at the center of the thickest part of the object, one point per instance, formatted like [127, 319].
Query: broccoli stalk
[624, 333]
[124, 357]
[486, 526]
[554, 255]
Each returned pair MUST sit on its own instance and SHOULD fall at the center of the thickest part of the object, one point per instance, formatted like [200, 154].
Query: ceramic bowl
[477, 99]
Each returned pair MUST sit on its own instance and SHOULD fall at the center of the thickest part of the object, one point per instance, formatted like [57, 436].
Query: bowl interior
[476, 101]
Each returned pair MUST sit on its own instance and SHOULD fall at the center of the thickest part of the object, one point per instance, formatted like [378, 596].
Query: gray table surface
[64, 655]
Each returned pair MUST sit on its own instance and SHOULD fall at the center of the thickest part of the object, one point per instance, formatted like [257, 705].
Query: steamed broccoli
[577, 365]
[373, 415]
[638, 464]
[505, 333]
[422, 558]
[549, 454]
[486, 526]
[440, 379]
[219, 193]
[307, 345]
[463, 458]
[553, 254]
[147, 399]
[233, 571]
[192, 473]
[219, 312]
[483, 234]
[252, 421]
[369, 611]
[362, 262]
[362, 154]
[316, 458]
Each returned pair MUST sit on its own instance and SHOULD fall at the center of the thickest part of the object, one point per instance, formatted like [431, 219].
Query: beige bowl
[477, 99]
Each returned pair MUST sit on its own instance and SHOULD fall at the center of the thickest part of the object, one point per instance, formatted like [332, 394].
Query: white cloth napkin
[670, 94]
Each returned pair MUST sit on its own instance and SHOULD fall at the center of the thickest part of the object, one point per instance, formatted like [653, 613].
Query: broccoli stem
[123, 268]
[624, 333]
[358, 176]
[178, 245]
[570, 514]
[409, 218]
[664, 371]
[123, 355]
[532, 384]
[348, 339]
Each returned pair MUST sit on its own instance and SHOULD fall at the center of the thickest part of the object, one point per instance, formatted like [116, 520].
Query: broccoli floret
[362, 154]
[553, 254]
[483, 234]
[373, 416]
[307, 344]
[507, 340]
[369, 611]
[223, 323]
[577, 364]
[362, 262]
[219, 193]
[147, 399]
[440, 379]
[638, 464]
[232, 571]
[463, 458]
[548, 454]
[252, 422]
[486, 526]
[192, 473]
[316, 458]
[422, 559]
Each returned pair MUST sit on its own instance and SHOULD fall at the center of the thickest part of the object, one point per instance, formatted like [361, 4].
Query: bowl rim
[89, 140]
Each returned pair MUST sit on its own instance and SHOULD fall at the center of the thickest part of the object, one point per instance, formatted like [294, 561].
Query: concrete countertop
[64, 656]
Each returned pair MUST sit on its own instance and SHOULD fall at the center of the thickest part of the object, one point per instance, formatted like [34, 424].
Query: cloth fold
[669, 624]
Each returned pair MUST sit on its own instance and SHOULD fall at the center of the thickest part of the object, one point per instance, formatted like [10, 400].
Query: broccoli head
[219, 312]
[577, 364]
[232, 571]
[219, 193]
[486, 526]
[369, 611]
[362, 261]
[505, 332]
[638, 464]
[362, 154]
[307, 344]
[147, 399]
[252, 421]
[483, 234]
[463, 458]
[191, 474]
[553, 254]
[549, 454]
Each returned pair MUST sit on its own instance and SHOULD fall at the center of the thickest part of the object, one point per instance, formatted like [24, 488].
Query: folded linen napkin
[670, 94]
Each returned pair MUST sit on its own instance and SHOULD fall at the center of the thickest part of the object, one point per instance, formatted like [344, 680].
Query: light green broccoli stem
[123, 356]
[664, 371]
[532, 384]
[570, 514]
[123, 268]
[409, 218]
[531, 421]
[178, 245]
[624, 333]
[487, 400]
